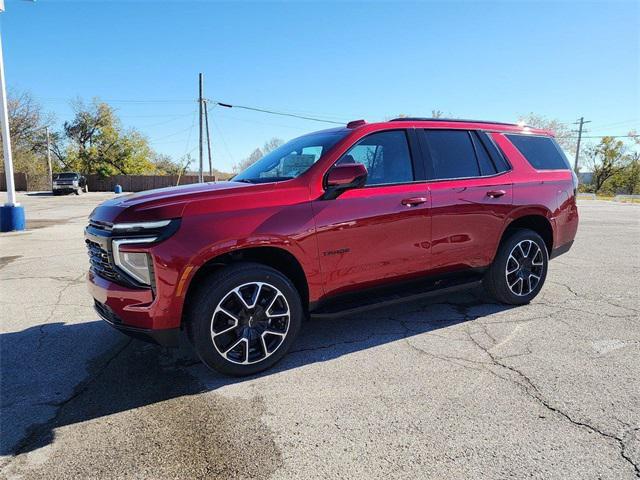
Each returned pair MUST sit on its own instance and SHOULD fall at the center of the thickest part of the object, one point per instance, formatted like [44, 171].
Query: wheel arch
[275, 257]
[536, 221]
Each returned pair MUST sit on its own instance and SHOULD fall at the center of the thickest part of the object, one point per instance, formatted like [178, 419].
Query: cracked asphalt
[453, 387]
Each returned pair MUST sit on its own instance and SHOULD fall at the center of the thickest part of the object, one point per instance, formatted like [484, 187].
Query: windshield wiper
[244, 180]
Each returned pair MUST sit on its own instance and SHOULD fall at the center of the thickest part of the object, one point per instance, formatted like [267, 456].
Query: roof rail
[426, 119]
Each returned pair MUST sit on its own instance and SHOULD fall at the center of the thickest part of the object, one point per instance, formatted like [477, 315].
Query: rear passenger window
[452, 154]
[496, 155]
[484, 160]
[541, 152]
[386, 156]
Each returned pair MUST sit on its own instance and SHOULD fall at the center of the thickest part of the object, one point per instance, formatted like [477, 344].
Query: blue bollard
[11, 218]
[118, 189]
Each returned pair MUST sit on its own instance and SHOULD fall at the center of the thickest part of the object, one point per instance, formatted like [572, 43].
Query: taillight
[574, 177]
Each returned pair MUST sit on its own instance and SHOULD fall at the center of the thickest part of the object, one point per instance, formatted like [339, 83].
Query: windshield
[291, 159]
[66, 176]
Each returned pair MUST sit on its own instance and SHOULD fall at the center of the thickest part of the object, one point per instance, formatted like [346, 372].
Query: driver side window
[386, 156]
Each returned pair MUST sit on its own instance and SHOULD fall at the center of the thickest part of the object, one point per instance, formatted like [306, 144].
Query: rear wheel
[519, 269]
[244, 318]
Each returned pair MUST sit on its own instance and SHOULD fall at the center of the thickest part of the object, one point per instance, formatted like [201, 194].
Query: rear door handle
[496, 193]
[413, 201]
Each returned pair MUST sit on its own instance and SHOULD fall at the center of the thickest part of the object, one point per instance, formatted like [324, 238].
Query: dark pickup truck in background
[69, 182]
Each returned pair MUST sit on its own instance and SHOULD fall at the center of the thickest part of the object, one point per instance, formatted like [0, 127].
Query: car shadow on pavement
[39, 194]
[37, 362]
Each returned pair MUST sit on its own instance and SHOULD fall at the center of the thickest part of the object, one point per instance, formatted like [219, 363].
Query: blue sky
[488, 60]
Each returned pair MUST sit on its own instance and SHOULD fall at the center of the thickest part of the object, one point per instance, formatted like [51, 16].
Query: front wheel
[244, 318]
[519, 270]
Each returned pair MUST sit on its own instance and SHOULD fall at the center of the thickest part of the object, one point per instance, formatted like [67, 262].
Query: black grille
[106, 313]
[100, 263]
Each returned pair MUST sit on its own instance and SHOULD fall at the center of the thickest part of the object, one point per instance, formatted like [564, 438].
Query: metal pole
[206, 120]
[200, 176]
[6, 140]
[49, 159]
[575, 163]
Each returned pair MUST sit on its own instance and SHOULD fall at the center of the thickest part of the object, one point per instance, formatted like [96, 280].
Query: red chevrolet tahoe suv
[328, 223]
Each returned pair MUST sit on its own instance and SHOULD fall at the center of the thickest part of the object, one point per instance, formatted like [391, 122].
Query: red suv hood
[161, 203]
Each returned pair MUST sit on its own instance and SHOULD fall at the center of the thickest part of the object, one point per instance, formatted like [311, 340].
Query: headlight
[138, 265]
[135, 264]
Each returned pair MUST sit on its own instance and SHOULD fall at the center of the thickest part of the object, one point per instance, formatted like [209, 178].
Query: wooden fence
[96, 183]
[25, 182]
[138, 183]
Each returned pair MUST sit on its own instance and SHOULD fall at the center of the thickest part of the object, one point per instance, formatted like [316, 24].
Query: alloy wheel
[250, 323]
[524, 267]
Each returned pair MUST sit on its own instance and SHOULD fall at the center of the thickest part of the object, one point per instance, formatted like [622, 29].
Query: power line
[274, 112]
[171, 135]
[113, 100]
[206, 123]
[600, 136]
[224, 142]
[193, 124]
[615, 124]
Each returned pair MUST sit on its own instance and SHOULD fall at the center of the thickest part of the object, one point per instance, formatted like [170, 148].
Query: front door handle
[413, 201]
[495, 193]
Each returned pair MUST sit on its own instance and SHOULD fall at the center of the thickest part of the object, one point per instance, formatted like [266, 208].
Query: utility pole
[206, 121]
[49, 159]
[200, 101]
[580, 124]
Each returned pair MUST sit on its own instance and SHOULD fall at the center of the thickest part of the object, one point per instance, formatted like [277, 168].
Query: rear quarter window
[541, 152]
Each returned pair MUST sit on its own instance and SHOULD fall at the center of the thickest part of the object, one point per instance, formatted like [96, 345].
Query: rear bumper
[556, 252]
[167, 337]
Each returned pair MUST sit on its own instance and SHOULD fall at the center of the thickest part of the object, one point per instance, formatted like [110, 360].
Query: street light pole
[11, 213]
[49, 158]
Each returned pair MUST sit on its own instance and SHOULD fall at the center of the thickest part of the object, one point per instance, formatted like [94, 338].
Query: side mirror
[344, 177]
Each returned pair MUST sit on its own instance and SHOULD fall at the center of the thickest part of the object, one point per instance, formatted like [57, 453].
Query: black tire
[205, 315]
[520, 286]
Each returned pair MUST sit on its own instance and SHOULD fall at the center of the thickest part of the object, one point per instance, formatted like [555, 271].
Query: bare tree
[257, 154]
[27, 123]
[565, 137]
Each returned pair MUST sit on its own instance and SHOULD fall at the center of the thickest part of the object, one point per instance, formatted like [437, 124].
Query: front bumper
[124, 304]
[167, 337]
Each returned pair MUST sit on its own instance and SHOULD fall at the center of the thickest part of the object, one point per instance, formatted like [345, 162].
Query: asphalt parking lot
[452, 387]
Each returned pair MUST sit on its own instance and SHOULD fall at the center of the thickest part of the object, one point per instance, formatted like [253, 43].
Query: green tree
[627, 180]
[606, 159]
[97, 143]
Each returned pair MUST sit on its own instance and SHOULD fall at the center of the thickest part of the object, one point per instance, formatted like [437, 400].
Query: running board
[362, 302]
